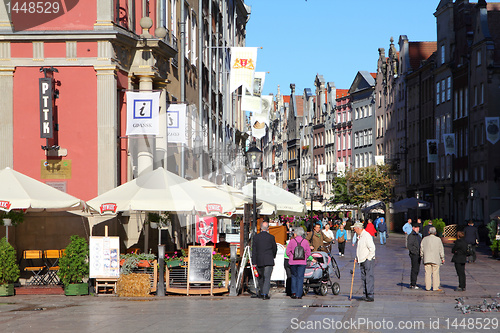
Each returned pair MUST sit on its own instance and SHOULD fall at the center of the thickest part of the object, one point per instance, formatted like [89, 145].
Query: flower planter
[221, 263]
[7, 289]
[173, 263]
[76, 289]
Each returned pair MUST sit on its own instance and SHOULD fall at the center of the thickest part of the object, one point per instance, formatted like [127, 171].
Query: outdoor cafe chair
[35, 265]
[52, 262]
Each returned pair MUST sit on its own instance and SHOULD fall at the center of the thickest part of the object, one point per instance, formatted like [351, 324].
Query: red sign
[108, 207]
[206, 230]
[5, 205]
[214, 208]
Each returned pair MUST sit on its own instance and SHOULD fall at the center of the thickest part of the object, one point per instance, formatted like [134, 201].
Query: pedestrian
[459, 251]
[472, 238]
[370, 228]
[382, 230]
[329, 234]
[341, 237]
[264, 251]
[288, 272]
[347, 226]
[298, 266]
[365, 254]
[426, 229]
[432, 253]
[316, 238]
[407, 229]
[414, 240]
[420, 226]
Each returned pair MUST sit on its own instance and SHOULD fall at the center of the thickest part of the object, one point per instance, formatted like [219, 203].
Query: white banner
[143, 110]
[243, 61]
[379, 160]
[322, 173]
[272, 178]
[176, 123]
[258, 83]
[432, 151]
[449, 144]
[251, 103]
[340, 169]
[492, 129]
[259, 125]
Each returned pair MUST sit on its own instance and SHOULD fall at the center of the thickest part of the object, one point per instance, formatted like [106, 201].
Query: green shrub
[438, 224]
[9, 269]
[73, 265]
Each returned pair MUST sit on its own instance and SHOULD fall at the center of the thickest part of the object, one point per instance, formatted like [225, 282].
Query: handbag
[341, 239]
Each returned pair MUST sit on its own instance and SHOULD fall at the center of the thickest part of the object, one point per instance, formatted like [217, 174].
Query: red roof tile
[286, 99]
[420, 51]
[342, 92]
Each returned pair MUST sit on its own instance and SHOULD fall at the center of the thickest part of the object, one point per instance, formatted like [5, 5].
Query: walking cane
[352, 280]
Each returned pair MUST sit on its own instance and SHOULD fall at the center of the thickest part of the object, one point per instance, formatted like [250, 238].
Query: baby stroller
[319, 273]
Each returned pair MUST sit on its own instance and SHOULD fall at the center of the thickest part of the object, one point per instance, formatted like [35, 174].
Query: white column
[162, 139]
[7, 117]
[104, 15]
[107, 128]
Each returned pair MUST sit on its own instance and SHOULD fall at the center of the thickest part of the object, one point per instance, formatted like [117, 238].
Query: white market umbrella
[160, 190]
[18, 191]
[286, 202]
[223, 192]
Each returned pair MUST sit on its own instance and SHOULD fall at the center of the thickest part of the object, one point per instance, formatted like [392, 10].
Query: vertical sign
[46, 100]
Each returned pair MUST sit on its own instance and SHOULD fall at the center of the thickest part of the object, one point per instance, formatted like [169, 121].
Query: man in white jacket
[365, 255]
[432, 252]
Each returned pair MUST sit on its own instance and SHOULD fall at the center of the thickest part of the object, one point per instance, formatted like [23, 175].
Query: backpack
[299, 253]
[469, 251]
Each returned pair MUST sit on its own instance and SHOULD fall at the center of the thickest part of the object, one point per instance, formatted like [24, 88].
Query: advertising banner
[176, 123]
[104, 257]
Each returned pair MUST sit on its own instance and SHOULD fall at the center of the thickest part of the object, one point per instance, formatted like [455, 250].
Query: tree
[362, 185]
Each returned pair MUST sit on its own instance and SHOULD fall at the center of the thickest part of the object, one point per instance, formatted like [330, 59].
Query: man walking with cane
[365, 254]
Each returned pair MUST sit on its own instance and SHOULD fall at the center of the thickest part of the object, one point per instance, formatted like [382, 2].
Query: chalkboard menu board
[200, 264]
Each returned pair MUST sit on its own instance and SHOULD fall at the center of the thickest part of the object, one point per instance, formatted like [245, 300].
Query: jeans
[383, 237]
[368, 278]
[341, 247]
[298, 279]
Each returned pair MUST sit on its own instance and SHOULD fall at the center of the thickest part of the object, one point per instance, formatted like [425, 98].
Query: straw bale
[133, 285]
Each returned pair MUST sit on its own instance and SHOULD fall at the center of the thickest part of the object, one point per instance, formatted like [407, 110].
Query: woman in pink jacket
[298, 266]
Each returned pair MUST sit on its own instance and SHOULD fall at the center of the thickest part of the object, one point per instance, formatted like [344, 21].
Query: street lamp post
[417, 195]
[254, 155]
[311, 185]
[472, 193]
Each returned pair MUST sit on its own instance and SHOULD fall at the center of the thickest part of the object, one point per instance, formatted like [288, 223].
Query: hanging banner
[176, 123]
[243, 61]
[322, 173]
[206, 230]
[258, 83]
[251, 103]
[432, 151]
[340, 169]
[379, 160]
[143, 110]
[449, 144]
[259, 125]
[492, 129]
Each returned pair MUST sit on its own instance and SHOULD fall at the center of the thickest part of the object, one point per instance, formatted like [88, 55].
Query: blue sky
[331, 37]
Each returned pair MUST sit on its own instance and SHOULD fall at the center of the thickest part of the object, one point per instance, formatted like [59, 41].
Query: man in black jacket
[414, 240]
[263, 253]
[472, 238]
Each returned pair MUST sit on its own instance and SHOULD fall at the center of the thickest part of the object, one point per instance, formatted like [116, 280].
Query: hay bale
[133, 285]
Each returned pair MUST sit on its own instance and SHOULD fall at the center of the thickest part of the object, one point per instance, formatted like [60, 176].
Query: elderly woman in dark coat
[459, 251]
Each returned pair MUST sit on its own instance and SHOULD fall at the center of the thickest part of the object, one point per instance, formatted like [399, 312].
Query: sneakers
[340, 254]
[460, 289]
[414, 287]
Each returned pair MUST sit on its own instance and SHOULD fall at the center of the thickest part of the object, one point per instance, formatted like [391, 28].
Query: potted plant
[74, 267]
[9, 269]
[11, 218]
[220, 260]
[492, 235]
[131, 261]
[175, 260]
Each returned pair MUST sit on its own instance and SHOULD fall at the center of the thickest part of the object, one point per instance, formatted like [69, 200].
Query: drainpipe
[182, 37]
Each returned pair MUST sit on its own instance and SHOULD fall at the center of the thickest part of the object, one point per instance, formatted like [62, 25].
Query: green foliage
[17, 216]
[176, 256]
[9, 269]
[364, 184]
[73, 265]
[132, 259]
[438, 224]
[495, 245]
[492, 232]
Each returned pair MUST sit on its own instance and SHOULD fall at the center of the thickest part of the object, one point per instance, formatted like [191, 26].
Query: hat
[358, 225]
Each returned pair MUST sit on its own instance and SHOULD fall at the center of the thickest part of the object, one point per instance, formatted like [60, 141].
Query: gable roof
[342, 93]
[299, 108]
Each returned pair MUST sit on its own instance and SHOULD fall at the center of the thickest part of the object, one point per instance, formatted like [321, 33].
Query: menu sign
[200, 264]
[104, 253]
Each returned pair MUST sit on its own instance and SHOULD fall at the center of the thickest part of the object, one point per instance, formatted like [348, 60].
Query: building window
[356, 140]
[370, 136]
[448, 89]
[443, 91]
[438, 92]
[466, 102]
[481, 100]
[348, 141]
[370, 110]
[443, 54]
[478, 56]
[456, 105]
[475, 95]
[194, 30]
[461, 104]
